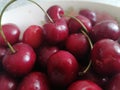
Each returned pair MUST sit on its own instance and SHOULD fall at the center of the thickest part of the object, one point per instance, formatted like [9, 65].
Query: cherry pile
[69, 52]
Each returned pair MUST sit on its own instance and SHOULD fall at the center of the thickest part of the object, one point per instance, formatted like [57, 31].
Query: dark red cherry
[7, 82]
[78, 45]
[114, 83]
[3, 51]
[34, 81]
[21, 62]
[56, 32]
[74, 26]
[84, 85]
[33, 36]
[91, 15]
[11, 32]
[105, 29]
[62, 68]
[44, 54]
[105, 57]
[55, 12]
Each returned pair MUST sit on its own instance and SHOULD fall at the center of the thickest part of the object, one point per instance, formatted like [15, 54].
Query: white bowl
[31, 14]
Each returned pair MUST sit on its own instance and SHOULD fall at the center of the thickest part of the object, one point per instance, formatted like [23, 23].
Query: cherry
[3, 51]
[34, 81]
[78, 45]
[105, 29]
[62, 68]
[114, 83]
[11, 32]
[7, 82]
[56, 32]
[33, 36]
[105, 57]
[84, 85]
[44, 55]
[21, 62]
[74, 26]
[55, 12]
[91, 15]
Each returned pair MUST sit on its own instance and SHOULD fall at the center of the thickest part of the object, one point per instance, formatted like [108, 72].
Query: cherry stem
[80, 22]
[42, 10]
[85, 32]
[1, 31]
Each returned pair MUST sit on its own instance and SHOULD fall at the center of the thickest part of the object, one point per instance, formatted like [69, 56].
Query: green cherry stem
[85, 32]
[1, 31]
[42, 10]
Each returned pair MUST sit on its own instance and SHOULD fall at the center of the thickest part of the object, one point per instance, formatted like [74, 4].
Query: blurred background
[23, 2]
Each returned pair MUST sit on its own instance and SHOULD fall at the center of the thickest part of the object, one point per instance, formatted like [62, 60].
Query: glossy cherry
[84, 85]
[91, 15]
[21, 62]
[105, 29]
[33, 36]
[74, 26]
[3, 51]
[56, 32]
[7, 82]
[44, 55]
[62, 68]
[78, 45]
[34, 81]
[55, 12]
[105, 57]
[11, 32]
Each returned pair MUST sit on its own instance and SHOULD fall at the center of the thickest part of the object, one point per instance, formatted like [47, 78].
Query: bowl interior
[31, 14]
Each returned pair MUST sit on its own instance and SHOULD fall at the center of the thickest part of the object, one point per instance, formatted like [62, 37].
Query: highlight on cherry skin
[61, 54]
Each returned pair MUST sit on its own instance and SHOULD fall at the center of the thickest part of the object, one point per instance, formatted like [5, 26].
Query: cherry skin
[105, 29]
[74, 26]
[21, 62]
[34, 81]
[33, 36]
[105, 57]
[7, 82]
[114, 83]
[78, 45]
[91, 15]
[3, 51]
[56, 32]
[84, 85]
[45, 53]
[62, 68]
[55, 12]
[11, 32]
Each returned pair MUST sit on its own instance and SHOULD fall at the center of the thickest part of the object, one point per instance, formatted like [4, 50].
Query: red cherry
[84, 85]
[33, 36]
[21, 62]
[105, 57]
[62, 68]
[34, 81]
[91, 15]
[11, 32]
[44, 55]
[105, 29]
[55, 12]
[3, 51]
[78, 45]
[74, 26]
[56, 32]
[114, 83]
[7, 82]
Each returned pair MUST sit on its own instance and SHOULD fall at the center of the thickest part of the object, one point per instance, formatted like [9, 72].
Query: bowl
[29, 14]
